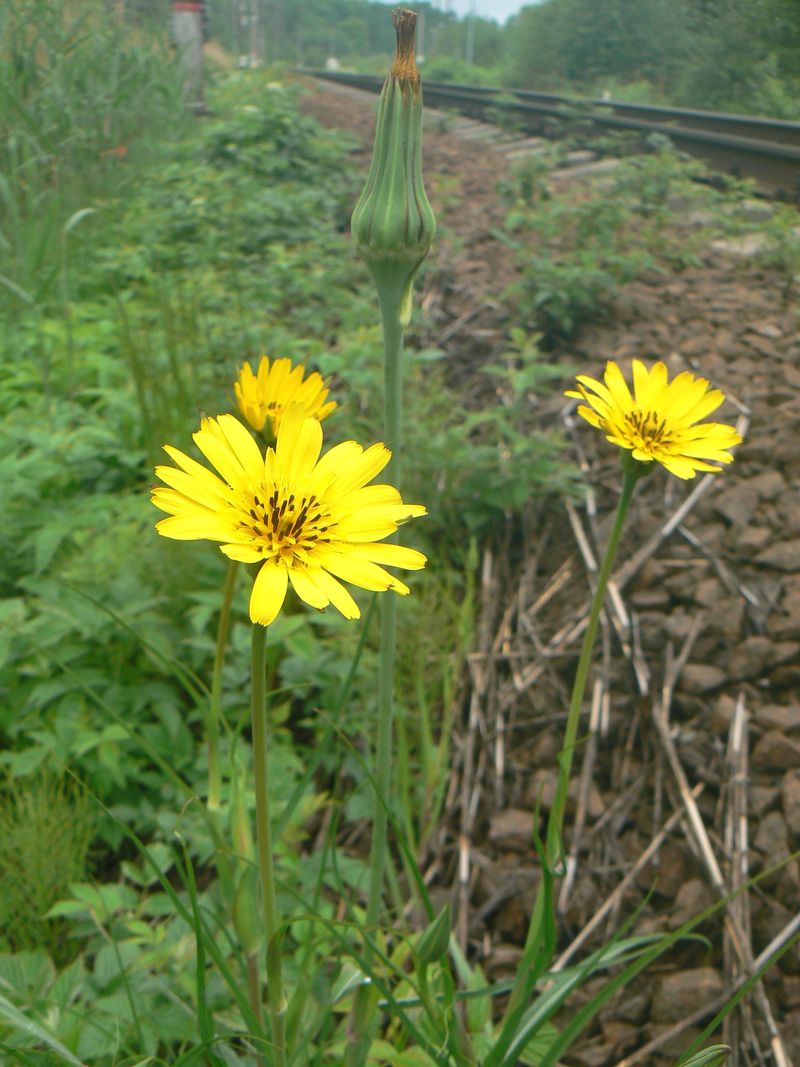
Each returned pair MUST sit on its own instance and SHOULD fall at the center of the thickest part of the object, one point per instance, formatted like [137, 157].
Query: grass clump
[46, 826]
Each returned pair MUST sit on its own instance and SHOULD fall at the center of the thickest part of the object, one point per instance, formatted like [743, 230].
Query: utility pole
[469, 53]
[253, 33]
[187, 36]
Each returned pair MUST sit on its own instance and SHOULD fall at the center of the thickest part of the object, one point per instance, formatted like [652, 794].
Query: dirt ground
[689, 780]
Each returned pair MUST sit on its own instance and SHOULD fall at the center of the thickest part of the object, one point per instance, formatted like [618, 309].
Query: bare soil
[696, 688]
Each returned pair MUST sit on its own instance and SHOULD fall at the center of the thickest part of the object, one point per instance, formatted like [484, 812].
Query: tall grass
[84, 101]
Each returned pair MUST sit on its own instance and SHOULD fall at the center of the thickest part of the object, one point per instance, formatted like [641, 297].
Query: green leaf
[479, 1009]
[32, 1029]
[539, 1045]
[713, 1056]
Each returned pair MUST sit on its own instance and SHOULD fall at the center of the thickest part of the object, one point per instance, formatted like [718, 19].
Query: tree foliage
[701, 53]
[308, 32]
[727, 54]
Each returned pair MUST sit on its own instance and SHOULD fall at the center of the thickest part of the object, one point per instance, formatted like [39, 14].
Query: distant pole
[253, 33]
[470, 49]
[187, 34]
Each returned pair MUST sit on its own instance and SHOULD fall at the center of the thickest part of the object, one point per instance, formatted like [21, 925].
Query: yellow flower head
[269, 392]
[661, 421]
[304, 519]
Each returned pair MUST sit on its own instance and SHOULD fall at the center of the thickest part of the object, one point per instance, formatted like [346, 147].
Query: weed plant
[45, 828]
[576, 251]
[83, 101]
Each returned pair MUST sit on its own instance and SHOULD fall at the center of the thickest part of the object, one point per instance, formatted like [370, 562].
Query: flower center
[286, 526]
[649, 426]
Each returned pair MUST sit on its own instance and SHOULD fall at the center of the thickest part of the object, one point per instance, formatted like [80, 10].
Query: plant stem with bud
[393, 226]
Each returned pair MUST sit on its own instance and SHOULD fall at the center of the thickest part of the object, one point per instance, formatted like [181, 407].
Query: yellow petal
[390, 555]
[191, 528]
[242, 553]
[337, 594]
[269, 592]
[243, 446]
[361, 469]
[304, 582]
[299, 443]
[361, 572]
[215, 496]
[218, 452]
[617, 387]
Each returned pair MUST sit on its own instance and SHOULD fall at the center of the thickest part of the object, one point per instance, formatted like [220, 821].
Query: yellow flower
[303, 519]
[661, 421]
[269, 392]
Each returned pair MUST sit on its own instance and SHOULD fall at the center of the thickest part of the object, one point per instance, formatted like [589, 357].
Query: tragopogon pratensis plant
[298, 518]
[660, 423]
[393, 225]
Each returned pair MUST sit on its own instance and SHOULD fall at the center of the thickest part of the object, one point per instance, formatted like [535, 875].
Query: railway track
[765, 150]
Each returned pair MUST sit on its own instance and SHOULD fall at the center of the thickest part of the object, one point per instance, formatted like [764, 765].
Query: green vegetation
[138, 272]
[145, 257]
[575, 253]
[734, 55]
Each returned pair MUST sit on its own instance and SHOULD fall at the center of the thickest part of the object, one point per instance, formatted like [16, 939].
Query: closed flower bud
[240, 817]
[435, 938]
[393, 223]
[246, 916]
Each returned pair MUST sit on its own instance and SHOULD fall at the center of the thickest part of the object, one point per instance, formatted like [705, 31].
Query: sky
[488, 9]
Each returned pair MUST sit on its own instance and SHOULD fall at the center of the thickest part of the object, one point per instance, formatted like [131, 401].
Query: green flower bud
[245, 912]
[393, 223]
[241, 831]
[434, 939]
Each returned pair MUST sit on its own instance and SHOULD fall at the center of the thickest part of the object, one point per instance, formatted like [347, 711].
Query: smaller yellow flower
[268, 393]
[661, 422]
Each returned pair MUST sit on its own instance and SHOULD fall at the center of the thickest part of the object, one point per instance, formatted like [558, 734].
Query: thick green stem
[254, 985]
[632, 471]
[393, 406]
[390, 295]
[258, 707]
[212, 720]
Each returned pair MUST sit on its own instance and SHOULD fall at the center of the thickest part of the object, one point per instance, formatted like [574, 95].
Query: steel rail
[769, 154]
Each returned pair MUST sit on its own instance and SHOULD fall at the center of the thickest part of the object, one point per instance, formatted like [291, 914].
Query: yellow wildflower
[269, 392]
[304, 520]
[661, 422]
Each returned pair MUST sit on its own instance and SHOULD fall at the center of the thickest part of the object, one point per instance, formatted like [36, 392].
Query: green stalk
[631, 474]
[258, 708]
[390, 295]
[213, 717]
[533, 962]
[393, 226]
[254, 985]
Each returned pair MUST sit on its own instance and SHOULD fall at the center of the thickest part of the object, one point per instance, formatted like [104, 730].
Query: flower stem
[254, 985]
[632, 471]
[212, 720]
[390, 295]
[258, 707]
[556, 819]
